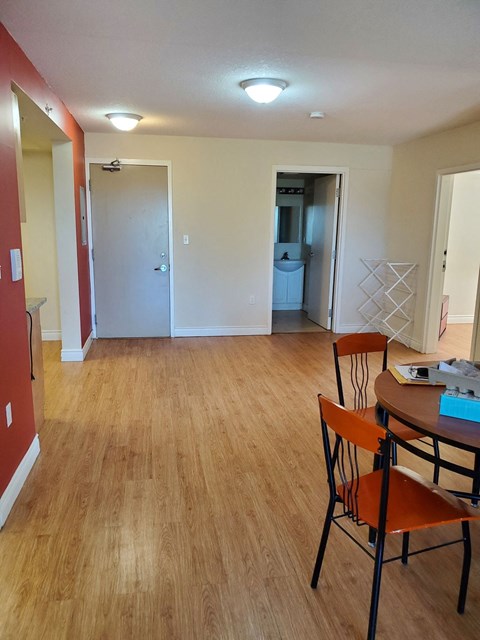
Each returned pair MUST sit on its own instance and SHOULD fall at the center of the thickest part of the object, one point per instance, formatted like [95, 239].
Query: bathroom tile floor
[293, 322]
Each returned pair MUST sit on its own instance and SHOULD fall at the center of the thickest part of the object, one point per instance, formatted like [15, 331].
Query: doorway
[130, 249]
[455, 262]
[49, 239]
[307, 238]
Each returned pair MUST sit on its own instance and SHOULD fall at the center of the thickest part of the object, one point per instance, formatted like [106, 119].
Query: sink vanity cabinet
[288, 285]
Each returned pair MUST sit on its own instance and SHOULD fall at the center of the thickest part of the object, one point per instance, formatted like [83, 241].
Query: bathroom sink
[288, 265]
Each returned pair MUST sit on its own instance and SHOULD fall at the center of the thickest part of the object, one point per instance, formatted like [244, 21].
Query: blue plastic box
[456, 406]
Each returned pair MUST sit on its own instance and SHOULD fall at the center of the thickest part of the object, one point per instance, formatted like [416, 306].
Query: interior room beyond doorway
[305, 250]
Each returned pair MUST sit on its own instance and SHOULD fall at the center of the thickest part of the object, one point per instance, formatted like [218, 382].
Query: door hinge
[90, 184]
[334, 254]
[93, 256]
[95, 318]
[337, 192]
[329, 313]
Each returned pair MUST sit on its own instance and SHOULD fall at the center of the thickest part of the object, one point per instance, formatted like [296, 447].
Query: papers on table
[406, 374]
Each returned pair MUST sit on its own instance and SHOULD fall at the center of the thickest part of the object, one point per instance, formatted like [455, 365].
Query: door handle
[162, 268]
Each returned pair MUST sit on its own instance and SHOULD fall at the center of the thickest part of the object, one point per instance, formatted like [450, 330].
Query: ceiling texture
[383, 71]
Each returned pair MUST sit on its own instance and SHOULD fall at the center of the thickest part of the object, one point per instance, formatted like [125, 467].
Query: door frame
[341, 231]
[136, 162]
[440, 229]
[65, 232]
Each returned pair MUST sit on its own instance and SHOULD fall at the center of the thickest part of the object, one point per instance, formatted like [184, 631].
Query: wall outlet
[252, 300]
[8, 414]
[186, 239]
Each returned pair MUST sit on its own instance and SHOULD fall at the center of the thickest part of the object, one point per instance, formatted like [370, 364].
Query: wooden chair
[392, 499]
[358, 346]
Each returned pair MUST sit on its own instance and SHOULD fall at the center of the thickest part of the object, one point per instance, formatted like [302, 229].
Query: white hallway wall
[463, 258]
[39, 239]
[412, 209]
[222, 198]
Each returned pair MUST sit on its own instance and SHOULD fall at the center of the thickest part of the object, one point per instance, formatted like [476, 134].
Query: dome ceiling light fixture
[263, 90]
[124, 121]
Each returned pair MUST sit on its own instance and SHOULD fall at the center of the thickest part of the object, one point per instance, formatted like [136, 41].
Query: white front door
[131, 251]
[323, 250]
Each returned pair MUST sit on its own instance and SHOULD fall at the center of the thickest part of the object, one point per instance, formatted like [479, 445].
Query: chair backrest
[350, 426]
[358, 346]
[343, 471]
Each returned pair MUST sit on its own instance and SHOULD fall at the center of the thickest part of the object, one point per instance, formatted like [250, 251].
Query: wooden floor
[293, 322]
[180, 494]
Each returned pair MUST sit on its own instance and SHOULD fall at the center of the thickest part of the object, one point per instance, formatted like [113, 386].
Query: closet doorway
[454, 263]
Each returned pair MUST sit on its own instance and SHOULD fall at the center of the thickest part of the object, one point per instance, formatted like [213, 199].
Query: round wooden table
[417, 406]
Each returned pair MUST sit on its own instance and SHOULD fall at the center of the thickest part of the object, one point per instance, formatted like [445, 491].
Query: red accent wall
[15, 385]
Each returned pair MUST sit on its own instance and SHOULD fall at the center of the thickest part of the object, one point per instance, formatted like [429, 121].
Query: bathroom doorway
[307, 240]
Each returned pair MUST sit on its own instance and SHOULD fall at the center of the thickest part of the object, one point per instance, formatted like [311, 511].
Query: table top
[417, 406]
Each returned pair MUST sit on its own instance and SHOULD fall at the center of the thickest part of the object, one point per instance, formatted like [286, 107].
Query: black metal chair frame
[359, 370]
[336, 459]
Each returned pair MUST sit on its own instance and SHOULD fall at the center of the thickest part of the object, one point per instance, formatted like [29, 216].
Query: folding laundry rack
[390, 288]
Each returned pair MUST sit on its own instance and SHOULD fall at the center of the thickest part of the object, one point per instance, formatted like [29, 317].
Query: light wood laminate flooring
[180, 494]
[293, 322]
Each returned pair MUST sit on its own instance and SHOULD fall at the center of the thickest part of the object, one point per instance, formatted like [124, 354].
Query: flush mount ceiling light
[124, 121]
[263, 90]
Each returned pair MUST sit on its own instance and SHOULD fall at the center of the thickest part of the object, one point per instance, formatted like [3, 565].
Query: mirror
[288, 224]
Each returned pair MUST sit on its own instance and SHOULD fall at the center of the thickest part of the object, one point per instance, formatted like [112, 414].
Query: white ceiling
[383, 71]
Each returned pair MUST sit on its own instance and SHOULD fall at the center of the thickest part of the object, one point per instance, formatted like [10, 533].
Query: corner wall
[223, 198]
[412, 210]
[39, 240]
[15, 385]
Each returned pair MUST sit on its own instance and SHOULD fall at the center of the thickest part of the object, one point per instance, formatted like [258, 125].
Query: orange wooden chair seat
[391, 500]
[413, 502]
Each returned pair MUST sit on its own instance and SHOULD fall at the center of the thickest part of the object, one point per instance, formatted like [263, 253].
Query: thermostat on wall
[16, 263]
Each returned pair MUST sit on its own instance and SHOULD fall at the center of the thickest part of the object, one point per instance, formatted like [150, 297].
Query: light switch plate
[16, 264]
[8, 414]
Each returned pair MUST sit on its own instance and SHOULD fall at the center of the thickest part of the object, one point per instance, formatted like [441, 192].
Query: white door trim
[342, 222]
[139, 162]
[443, 201]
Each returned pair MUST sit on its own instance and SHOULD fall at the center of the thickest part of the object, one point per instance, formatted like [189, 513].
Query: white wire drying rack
[390, 288]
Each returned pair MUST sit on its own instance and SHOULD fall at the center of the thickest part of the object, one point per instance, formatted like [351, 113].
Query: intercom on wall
[16, 264]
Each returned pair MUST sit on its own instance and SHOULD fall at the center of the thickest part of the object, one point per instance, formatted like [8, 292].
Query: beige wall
[38, 239]
[223, 198]
[414, 182]
[463, 258]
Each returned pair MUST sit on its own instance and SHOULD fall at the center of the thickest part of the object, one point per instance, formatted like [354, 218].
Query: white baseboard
[459, 319]
[15, 485]
[48, 335]
[87, 345]
[361, 328]
[71, 355]
[352, 328]
[192, 332]
[77, 355]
